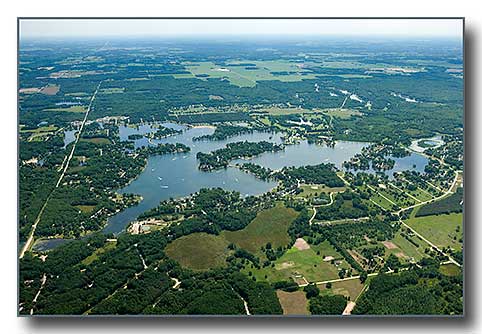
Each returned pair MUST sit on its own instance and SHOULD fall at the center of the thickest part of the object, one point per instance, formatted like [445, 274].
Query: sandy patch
[50, 90]
[216, 97]
[389, 245]
[328, 258]
[301, 244]
[349, 307]
[401, 255]
[32, 90]
[286, 265]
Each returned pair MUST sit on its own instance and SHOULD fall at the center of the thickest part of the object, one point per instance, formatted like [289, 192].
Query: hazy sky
[173, 27]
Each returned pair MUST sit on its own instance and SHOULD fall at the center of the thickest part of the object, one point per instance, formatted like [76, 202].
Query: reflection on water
[177, 175]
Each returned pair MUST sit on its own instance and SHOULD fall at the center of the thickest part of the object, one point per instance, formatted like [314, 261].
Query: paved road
[30, 238]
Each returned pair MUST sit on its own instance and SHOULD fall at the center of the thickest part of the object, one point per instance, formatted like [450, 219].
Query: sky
[47, 28]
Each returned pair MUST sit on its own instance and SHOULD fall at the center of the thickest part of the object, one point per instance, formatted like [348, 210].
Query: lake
[177, 175]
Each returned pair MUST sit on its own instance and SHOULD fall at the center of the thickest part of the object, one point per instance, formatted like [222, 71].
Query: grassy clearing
[109, 245]
[326, 249]
[269, 226]
[442, 230]
[306, 263]
[49, 128]
[247, 76]
[342, 113]
[75, 109]
[310, 190]
[199, 251]
[97, 140]
[284, 111]
[405, 250]
[381, 201]
[113, 90]
[350, 288]
[202, 251]
[85, 208]
[419, 194]
[449, 269]
[293, 302]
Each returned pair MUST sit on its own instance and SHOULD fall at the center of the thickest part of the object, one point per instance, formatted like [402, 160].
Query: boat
[160, 178]
[164, 187]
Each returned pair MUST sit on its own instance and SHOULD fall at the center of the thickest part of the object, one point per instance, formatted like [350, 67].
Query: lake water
[413, 162]
[47, 244]
[177, 175]
[69, 136]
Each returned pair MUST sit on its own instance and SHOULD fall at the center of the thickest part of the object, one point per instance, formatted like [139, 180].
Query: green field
[109, 245]
[449, 269]
[269, 226]
[440, 229]
[314, 189]
[341, 113]
[203, 251]
[97, 140]
[199, 251]
[293, 302]
[247, 76]
[296, 263]
[276, 111]
[85, 208]
[406, 250]
[76, 109]
[349, 288]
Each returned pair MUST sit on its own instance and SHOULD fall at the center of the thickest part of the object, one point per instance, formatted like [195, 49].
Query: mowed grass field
[449, 269]
[315, 189]
[199, 251]
[306, 263]
[341, 113]
[76, 109]
[97, 140]
[294, 303]
[349, 288]
[202, 251]
[440, 229]
[270, 225]
[405, 250]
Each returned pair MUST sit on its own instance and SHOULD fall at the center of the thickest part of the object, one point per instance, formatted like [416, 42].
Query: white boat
[160, 178]
[164, 187]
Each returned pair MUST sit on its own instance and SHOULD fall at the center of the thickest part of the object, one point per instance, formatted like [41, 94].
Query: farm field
[349, 288]
[269, 226]
[442, 230]
[199, 251]
[303, 266]
[204, 251]
[293, 303]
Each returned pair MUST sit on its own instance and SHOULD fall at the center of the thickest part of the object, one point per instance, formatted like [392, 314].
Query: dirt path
[314, 214]
[245, 306]
[349, 307]
[34, 300]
